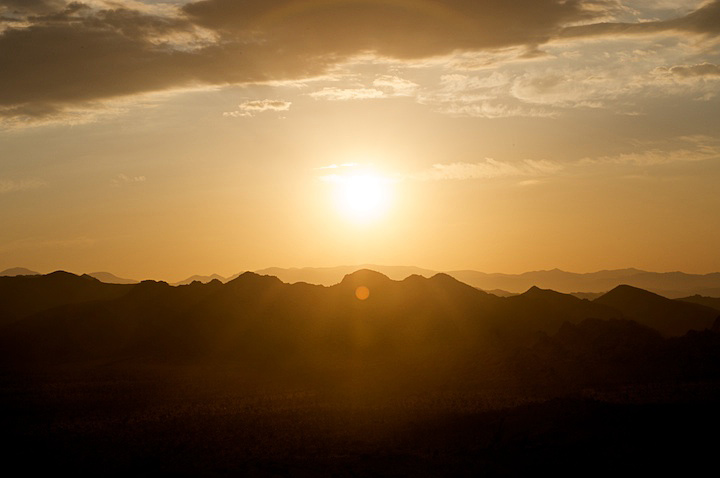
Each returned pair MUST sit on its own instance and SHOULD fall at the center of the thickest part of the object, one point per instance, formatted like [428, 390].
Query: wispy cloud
[345, 94]
[395, 86]
[702, 69]
[251, 108]
[686, 149]
[125, 179]
[13, 185]
[674, 150]
[339, 166]
[488, 169]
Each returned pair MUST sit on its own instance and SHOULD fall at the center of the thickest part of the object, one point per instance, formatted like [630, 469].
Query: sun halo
[361, 197]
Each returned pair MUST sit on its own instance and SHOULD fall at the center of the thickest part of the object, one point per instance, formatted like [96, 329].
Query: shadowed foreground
[214, 426]
[426, 377]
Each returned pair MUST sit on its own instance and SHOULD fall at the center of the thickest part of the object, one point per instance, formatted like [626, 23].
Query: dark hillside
[671, 317]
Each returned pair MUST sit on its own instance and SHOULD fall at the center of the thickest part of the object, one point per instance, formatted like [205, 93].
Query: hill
[712, 302]
[17, 271]
[109, 278]
[670, 317]
[23, 296]
[203, 279]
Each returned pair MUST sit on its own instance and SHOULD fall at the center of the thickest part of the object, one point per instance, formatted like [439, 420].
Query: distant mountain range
[109, 278]
[589, 285]
[17, 271]
[668, 284]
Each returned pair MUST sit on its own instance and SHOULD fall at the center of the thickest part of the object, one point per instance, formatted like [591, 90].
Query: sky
[160, 139]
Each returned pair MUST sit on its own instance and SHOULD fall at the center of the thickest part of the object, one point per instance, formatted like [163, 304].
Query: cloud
[484, 96]
[383, 86]
[125, 179]
[399, 29]
[25, 7]
[11, 186]
[345, 94]
[620, 75]
[704, 21]
[682, 149]
[77, 55]
[58, 55]
[702, 69]
[488, 169]
[395, 86]
[251, 108]
[338, 166]
[65, 54]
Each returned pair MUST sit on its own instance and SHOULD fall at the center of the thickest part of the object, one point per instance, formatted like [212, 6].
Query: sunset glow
[171, 138]
[361, 197]
[359, 237]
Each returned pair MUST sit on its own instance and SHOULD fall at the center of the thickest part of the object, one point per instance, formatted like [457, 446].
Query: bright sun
[361, 196]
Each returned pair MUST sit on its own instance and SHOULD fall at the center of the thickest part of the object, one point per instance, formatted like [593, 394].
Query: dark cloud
[32, 6]
[69, 63]
[396, 28]
[69, 53]
[703, 20]
[703, 69]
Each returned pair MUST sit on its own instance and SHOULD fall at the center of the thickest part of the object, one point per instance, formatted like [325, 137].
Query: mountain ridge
[673, 285]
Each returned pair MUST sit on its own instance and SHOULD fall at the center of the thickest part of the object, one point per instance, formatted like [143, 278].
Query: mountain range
[668, 284]
[587, 285]
[436, 325]
[261, 377]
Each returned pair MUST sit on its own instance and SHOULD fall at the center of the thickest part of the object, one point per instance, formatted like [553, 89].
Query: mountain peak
[536, 291]
[365, 277]
[64, 276]
[249, 277]
[628, 291]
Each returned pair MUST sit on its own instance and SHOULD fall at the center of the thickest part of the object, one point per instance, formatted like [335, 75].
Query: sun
[361, 196]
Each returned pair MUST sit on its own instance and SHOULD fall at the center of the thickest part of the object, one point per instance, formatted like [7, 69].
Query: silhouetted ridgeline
[668, 284]
[424, 377]
[435, 326]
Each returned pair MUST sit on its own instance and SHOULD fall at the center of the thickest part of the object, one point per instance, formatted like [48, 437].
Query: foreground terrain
[425, 376]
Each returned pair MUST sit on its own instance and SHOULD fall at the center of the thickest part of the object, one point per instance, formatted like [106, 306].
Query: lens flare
[362, 292]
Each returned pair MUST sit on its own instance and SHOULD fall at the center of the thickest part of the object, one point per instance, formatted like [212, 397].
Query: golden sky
[161, 139]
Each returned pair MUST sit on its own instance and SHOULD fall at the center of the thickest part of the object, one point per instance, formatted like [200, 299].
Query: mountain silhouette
[543, 310]
[203, 279]
[670, 317]
[332, 275]
[438, 327]
[668, 284]
[712, 302]
[109, 278]
[17, 271]
[25, 295]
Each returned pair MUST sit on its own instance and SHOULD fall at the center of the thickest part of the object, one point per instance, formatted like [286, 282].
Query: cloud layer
[58, 55]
